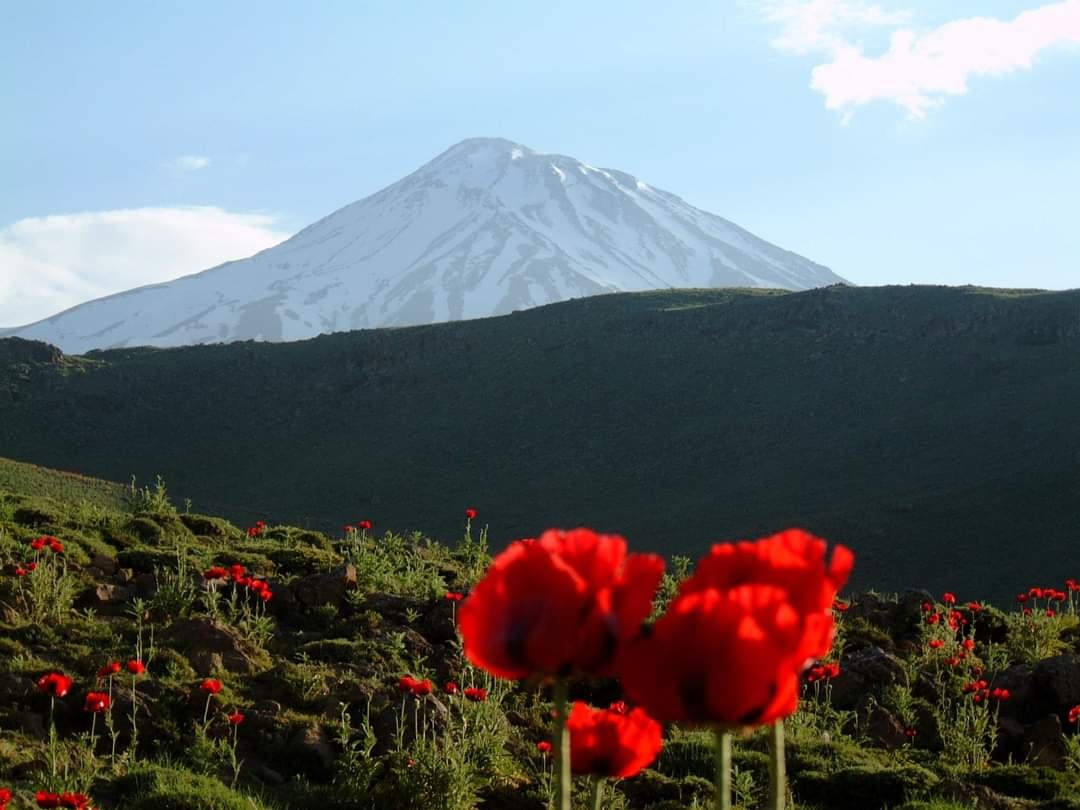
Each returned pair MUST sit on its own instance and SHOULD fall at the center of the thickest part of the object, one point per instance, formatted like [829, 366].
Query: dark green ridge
[935, 430]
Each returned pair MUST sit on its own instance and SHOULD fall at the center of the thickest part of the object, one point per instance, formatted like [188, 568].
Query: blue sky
[896, 142]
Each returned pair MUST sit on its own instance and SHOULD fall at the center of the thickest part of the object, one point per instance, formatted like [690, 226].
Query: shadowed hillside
[935, 430]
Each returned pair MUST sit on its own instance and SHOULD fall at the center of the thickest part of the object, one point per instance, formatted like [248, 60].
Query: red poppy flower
[1022, 597]
[910, 733]
[927, 607]
[349, 529]
[217, 572]
[471, 513]
[1035, 593]
[730, 658]
[544, 747]
[235, 719]
[45, 799]
[1051, 612]
[364, 524]
[953, 662]
[933, 618]
[1074, 714]
[1072, 584]
[259, 585]
[974, 607]
[97, 702]
[39, 543]
[31, 566]
[936, 644]
[948, 598]
[1000, 694]
[244, 581]
[832, 670]
[55, 683]
[212, 686]
[56, 546]
[968, 644]
[237, 571]
[136, 667]
[20, 571]
[76, 801]
[451, 688]
[417, 688]
[793, 561]
[561, 603]
[1027, 611]
[476, 694]
[607, 743]
[5, 797]
[109, 669]
[452, 596]
[266, 595]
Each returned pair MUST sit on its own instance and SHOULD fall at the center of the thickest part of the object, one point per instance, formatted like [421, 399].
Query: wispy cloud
[190, 163]
[48, 264]
[920, 69]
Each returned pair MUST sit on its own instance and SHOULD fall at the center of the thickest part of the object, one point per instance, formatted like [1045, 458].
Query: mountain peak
[488, 227]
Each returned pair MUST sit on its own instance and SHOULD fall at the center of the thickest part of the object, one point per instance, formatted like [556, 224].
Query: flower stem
[723, 770]
[597, 792]
[560, 742]
[777, 774]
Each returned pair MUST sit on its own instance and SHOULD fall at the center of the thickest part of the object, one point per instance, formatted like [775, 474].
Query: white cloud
[190, 163]
[920, 69]
[48, 264]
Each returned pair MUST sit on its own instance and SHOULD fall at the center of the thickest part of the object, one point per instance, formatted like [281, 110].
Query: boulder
[311, 751]
[865, 670]
[329, 588]
[1058, 681]
[210, 645]
[1044, 743]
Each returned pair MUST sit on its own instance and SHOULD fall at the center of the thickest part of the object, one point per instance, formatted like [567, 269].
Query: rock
[264, 773]
[328, 588]
[211, 645]
[1022, 703]
[868, 669]
[105, 564]
[1058, 681]
[1010, 741]
[312, 752]
[32, 724]
[1044, 743]
[15, 687]
[881, 727]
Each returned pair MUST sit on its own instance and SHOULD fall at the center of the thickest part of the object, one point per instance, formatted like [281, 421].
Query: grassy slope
[351, 651]
[930, 428]
[18, 477]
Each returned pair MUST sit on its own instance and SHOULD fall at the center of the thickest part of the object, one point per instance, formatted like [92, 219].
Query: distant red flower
[417, 688]
[1027, 611]
[974, 607]
[619, 707]
[936, 644]
[975, 686]
[266, 595]
[244, 581]
[544, 747]
[1072, 584]
[31, 566]
[56, 546]
[349, 529]
[259, 585]
[39, 543]
[476, 694]
[136, 667]
[55, 683]
[1074, 714]
[212, 686]
[451, 688]
[1051, 612]
[1000, 694]
[954, 661]
[1022, 597]
[217, 572]
[910, 733]
[364, 525]
[453, 596]
[948, 598]
[1058, 596]
[471, 513]
[20, 571]
[76, 801]
[933, 618]
[607, 743]
[968, 644]
[560, 603]
[1035, 593]
[5, 797]
[235, 719]
[927, 607]
[45, 799]
[109, 669]
[97, 702]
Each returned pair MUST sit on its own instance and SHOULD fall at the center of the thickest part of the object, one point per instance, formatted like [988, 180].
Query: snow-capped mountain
[485, 228]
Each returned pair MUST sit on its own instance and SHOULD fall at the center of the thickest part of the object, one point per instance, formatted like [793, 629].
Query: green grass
[930, 428]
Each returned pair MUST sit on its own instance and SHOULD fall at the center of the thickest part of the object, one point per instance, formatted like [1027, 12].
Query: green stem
[597, 792]
[560, 743]
[134, 728]
[93, 734]
[777, 774]
[723, 770]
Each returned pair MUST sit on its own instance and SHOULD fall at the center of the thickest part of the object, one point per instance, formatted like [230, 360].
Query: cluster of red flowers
[49, 542]
[1051, 595]
[22, 569]
[110, 669]
[78, 801]
[258, 529]
[240, 577]
[415, 687]
[980, 690]
[734, 642]
[361, 526]
[822, 672]
[419, 688]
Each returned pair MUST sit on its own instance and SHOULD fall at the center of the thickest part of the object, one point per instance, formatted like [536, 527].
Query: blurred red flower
[471, 513]
[544, 747]
[948, 598]
[45, 799]
[451, 688]
[97, 702]
[109, 669]
[56, 684]
[556, 604]
[136, 667]
[476, 694]
[453, 596]
[217, 572]
[235, 719]
[364, 525]
[608, 743]
[212, 686]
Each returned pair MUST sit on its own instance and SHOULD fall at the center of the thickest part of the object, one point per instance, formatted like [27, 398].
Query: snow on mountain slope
[485, 228]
